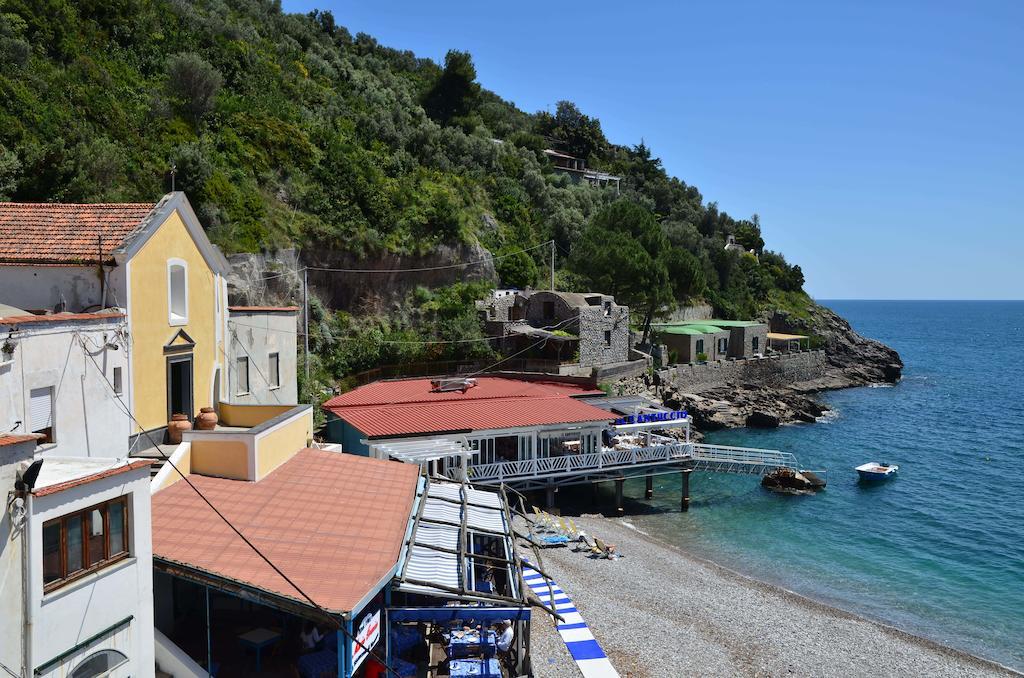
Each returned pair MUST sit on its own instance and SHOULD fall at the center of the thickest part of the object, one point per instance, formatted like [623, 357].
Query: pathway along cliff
[849, 360]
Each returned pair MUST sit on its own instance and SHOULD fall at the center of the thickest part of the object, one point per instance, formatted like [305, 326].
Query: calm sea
[939, 551]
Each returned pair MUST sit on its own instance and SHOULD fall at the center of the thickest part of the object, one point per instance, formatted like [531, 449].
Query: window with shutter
[41, 412]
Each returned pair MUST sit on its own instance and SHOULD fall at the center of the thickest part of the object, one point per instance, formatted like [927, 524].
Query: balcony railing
[721, 458]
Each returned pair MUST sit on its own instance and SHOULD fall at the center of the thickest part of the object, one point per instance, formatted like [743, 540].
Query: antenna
[174, 171]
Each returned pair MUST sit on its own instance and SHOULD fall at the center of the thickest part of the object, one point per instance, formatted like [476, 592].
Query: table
[475, 667]
[258, 639]
[468, 643]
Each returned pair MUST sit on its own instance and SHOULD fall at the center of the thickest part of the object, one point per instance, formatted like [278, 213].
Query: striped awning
[434, 552]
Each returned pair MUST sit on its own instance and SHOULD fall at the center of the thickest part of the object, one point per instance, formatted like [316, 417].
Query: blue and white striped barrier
[585, 650]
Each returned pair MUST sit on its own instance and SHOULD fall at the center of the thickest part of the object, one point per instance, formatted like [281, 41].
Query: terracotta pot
[207, 419]
[178, 424]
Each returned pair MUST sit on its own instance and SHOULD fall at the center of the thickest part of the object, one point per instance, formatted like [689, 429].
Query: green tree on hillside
[578, 133]
[622, 252]
[456, 91]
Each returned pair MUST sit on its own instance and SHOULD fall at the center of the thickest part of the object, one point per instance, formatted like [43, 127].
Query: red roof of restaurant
[334, 523]
[66, 234]
[409, 406]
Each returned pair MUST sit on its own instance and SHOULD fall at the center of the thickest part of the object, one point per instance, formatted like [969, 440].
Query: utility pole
[305, 318]
[552, 265]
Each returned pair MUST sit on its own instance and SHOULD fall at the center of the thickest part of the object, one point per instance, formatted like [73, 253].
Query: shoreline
[702, 629]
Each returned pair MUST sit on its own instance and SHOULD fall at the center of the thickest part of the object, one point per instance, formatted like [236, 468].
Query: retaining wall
[779, 369]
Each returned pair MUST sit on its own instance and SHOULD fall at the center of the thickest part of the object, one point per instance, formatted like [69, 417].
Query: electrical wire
[326, 615]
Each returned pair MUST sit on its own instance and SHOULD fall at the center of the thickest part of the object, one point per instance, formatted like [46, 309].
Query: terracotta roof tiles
[66, 234]
[334, 523]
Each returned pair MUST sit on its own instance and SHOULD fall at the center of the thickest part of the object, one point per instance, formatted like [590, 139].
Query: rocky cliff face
[853, 360]
[276, 278]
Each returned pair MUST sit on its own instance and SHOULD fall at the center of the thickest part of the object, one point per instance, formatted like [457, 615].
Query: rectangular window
[754, 344]
[700, 346]
[41, 413]
[84, 541]
[723, 345]
[118, 381]
[242, 377]
[275, 370]
[607, 337]
[607, 308]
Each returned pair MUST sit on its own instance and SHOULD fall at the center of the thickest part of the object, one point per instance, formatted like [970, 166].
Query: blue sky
[881, 143]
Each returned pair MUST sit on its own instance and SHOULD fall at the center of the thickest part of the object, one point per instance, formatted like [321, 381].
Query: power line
[428, 268]
[327, 615]
[421, 269]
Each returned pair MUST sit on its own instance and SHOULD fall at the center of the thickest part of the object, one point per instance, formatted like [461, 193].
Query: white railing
[578, 463]
[713, 457]
[726, 454]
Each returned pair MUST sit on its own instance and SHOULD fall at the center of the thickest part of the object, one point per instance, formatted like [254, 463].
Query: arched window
[99, 664]
[177, 292]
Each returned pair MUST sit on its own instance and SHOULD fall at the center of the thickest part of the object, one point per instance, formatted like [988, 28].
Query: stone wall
[604, 339]
[779, 369]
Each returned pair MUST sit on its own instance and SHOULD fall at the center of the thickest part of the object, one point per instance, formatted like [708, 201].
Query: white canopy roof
[420, 451]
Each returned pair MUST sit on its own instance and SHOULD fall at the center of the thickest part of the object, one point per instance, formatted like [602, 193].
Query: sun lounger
[607, 550]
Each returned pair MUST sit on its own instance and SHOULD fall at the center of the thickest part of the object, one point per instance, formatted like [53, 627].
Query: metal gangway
[609, 464]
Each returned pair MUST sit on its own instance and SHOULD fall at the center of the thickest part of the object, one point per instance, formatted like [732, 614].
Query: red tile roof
[82, 480]
[446, 417]
[66, 234]
[420, 391]
[57, 317]
[334, 523]
[395, 408]
[262, 309]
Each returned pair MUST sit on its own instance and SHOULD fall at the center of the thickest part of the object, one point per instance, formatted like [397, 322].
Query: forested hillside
[287, 131]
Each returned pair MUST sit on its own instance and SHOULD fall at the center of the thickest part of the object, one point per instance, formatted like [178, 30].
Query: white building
[63, 376]
[262, 368]
[76, 565]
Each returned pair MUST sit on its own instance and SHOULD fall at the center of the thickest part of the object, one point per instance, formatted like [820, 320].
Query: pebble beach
[658, 611]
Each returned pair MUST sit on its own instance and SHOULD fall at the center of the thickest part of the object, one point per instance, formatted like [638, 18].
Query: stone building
[587, 329]
[714, 339]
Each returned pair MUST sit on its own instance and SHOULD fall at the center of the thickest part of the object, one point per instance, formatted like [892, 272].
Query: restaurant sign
[368, 634]
[651, 417]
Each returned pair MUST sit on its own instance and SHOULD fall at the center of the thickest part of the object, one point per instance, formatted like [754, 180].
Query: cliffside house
[75, 564]
[527, 433]
[154, 262]
[577, 169]
[732, 246]
[687, 340]
[584, 329]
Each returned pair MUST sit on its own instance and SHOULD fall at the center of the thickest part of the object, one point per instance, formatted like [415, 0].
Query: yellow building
[151, 259]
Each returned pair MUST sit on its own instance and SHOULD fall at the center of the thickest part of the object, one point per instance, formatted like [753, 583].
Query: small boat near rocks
[877, 471]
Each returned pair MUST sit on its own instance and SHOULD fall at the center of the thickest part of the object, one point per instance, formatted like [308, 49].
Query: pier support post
[619, 482]
[649, 493]
[685, 499]
[549, 496]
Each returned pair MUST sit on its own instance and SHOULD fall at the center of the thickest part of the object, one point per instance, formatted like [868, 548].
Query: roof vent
[452, 384]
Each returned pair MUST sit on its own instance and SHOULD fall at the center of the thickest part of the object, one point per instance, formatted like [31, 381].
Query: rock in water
[790, 482]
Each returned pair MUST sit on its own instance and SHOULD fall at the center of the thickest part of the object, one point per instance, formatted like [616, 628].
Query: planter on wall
[178, 424]
[207, 419]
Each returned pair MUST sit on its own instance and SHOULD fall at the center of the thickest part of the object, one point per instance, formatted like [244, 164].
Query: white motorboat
[877, 471]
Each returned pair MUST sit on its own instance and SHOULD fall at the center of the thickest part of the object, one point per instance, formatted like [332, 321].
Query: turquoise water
[939, 551]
